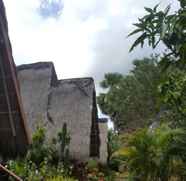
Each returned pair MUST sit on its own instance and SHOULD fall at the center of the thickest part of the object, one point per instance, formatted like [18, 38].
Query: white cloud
[88, 39]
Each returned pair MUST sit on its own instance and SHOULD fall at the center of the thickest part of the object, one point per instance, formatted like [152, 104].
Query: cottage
[53, 102]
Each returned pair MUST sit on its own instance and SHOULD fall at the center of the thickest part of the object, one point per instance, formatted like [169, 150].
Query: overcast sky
[81, 37]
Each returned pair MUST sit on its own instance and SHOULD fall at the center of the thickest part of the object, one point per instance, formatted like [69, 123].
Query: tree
[159, 26]
[169, 29]
[131, 99]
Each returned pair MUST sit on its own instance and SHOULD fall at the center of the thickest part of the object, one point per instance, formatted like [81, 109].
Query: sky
[83, 38]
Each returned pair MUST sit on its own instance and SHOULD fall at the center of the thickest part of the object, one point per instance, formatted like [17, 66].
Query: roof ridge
[36, 65]
[78, 78]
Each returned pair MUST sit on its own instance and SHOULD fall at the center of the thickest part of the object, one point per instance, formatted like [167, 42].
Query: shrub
[92, 164]
[152, 155]
[39, 150]
[43, 159]
[98, 172]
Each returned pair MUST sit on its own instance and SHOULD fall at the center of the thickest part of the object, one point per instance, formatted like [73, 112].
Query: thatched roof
[80, 83]
[71, 101]
[85, 84]
[37, 65]
[41, 65]
[14, 135]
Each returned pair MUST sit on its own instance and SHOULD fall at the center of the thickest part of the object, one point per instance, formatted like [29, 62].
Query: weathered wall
[103, 128]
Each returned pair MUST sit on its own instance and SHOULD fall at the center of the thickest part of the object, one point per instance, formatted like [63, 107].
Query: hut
[52, 102]
[14, 134]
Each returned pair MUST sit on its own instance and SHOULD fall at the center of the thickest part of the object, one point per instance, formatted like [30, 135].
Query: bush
[98, 172]
[39, 150]
[92, 164]
[154, 154]
[43, 160]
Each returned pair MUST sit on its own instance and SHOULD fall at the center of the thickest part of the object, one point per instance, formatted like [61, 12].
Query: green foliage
[64, 141]
[63, 138]
[94, 172]
[162, 26]
[172, 93]
[131, 100]
[113, 141]
[30, 171]
[159, 154]
[113, 144]
[99, 172]
[39, 135]
[38, 151]
[19, 167]
[92, 164]
[60, 178]
[43, 159]
[169, 29]
[155, 154]
[111, 80]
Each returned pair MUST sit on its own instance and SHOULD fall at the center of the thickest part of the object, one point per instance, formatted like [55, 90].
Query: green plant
[93, 170]
[43, 160]
[98, 172]
[162, 26]
[113, 145]
[154, 154]
[26, 170]
[64, 141]
[38, 151]
[19, 167]
[92, 164]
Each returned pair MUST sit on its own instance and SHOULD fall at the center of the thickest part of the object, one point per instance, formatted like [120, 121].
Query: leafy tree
[159, 26]
[131, 99]
[152, 154]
